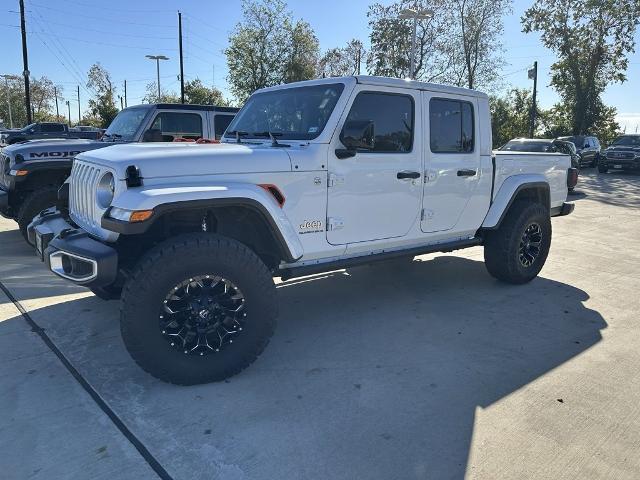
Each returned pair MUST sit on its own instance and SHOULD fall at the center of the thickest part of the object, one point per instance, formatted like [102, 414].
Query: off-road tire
[179, 259]
[502, 246]
[602, 168]
[33, 204]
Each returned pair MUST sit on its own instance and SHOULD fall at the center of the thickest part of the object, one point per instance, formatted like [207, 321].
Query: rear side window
[451, 126]
[392, 117]
[52, 127]
[221, 122]
[178, 125]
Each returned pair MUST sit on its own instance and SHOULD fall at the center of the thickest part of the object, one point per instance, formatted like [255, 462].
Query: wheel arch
[527, 187]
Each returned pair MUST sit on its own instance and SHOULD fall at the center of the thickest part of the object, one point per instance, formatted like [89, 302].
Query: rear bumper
[71, 253]
[562, 210]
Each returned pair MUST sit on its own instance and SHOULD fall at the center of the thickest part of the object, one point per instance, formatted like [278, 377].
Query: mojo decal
[311, 226]
[54, 154]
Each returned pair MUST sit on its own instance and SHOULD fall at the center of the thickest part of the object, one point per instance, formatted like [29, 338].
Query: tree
[42, 100]
[510, 116]
[592, 41]
[459, 45]
[268, 48]
[480, 27]
[196, 92]
[103, 105]
[151, 95]
[339, 62]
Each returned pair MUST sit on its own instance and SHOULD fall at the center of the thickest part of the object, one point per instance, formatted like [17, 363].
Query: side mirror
[152, 135]
[358, 135]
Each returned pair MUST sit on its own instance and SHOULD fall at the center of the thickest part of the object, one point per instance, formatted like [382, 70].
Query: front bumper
[620, 164]
[70, 252]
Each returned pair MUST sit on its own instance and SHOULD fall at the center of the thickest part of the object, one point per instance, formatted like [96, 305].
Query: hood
[156, 160]
[35, 150]
[623, 148]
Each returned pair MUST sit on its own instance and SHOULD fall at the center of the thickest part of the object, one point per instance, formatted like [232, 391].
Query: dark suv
[622, 154]
[588, 149]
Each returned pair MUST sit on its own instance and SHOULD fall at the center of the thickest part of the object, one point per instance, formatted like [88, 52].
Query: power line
[117, 20]
[75, 27]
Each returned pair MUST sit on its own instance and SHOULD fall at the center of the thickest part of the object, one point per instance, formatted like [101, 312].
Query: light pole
[6, 82]
[69, 109]
[157, 58]
[410, 13]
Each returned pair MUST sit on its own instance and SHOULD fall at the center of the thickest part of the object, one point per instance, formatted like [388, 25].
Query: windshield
[31, 125]
[519, 146]
[299, 113]
[126, 124]
[632, 141]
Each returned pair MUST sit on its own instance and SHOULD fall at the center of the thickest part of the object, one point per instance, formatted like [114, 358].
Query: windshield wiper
[272, 136]
[239, 134]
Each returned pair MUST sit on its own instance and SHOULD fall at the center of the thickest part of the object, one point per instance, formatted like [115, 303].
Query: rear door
[174, 124]
[220, 122]
[376, 193]
[452, 159]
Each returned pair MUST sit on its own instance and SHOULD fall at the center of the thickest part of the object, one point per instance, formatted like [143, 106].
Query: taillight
[572, 177]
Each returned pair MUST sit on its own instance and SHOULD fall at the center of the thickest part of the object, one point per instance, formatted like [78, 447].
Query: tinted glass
[633, 141]
[52, 127]
[178, 125]
[451, 126]
[126, 124]
[221, 124]
[520, 146]
[299, 113]
[392, 117]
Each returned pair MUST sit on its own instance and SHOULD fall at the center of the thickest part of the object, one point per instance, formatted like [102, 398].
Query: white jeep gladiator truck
[310, 177]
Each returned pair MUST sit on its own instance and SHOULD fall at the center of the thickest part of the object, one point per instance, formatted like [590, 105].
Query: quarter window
[392, 117]
[175, 125]
[451, 126]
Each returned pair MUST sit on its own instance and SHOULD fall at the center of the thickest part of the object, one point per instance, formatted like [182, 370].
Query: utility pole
[55, 94]
[121, 106]
[25, 62]
[181, 64]
[6, 82]
[533, 75]
[69, 109]
[79, 104]
[358, 61]
[125, 94]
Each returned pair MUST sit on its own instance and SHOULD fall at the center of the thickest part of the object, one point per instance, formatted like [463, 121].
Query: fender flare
[184, 197]
[508, 192]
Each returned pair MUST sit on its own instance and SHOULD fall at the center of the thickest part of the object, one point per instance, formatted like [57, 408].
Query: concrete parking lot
[434, 371]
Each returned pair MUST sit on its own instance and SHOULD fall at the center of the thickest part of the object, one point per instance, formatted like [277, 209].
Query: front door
[452, 159]
[375, 193]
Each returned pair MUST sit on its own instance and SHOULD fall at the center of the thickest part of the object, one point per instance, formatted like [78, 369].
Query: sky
[65, 37]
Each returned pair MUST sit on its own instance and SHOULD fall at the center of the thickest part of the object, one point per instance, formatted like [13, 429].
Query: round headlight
[106, 189]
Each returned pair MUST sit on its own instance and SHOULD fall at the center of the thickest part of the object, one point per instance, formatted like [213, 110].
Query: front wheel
[33, 204]
[517, 250]
[602, 168]
[198, 308]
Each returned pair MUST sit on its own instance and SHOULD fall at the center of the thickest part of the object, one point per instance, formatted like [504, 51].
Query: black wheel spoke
[530, 245]
[202, 314]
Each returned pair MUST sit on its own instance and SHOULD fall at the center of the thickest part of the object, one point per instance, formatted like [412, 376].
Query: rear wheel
[33, 204]
[198, 308]
[516, 252]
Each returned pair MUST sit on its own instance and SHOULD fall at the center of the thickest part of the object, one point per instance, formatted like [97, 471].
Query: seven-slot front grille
[82, 196]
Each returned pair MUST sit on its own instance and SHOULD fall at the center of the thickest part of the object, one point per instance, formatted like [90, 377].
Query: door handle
[407, 175]
[466, 173]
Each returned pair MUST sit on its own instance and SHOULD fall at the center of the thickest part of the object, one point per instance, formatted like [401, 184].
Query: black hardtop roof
[188, 106]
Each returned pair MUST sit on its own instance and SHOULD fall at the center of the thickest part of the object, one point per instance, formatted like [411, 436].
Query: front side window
[174, 125]
[221, 123]
[52, 128]
[391, 116]
[299, 113]
[451, 126]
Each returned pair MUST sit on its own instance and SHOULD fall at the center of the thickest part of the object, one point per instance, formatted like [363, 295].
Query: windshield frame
[147, 108]
[341, 87]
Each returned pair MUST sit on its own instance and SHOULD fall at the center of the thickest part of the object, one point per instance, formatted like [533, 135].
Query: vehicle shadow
[613, 188]
[373, 373]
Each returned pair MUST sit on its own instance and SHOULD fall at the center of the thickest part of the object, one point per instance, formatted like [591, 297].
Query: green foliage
[103, 105]
[339, 62]
[510, 116]
[459, 45]
[151, 95]
[42, 100]
[197, 93]
[268, 48]
[592, 40]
